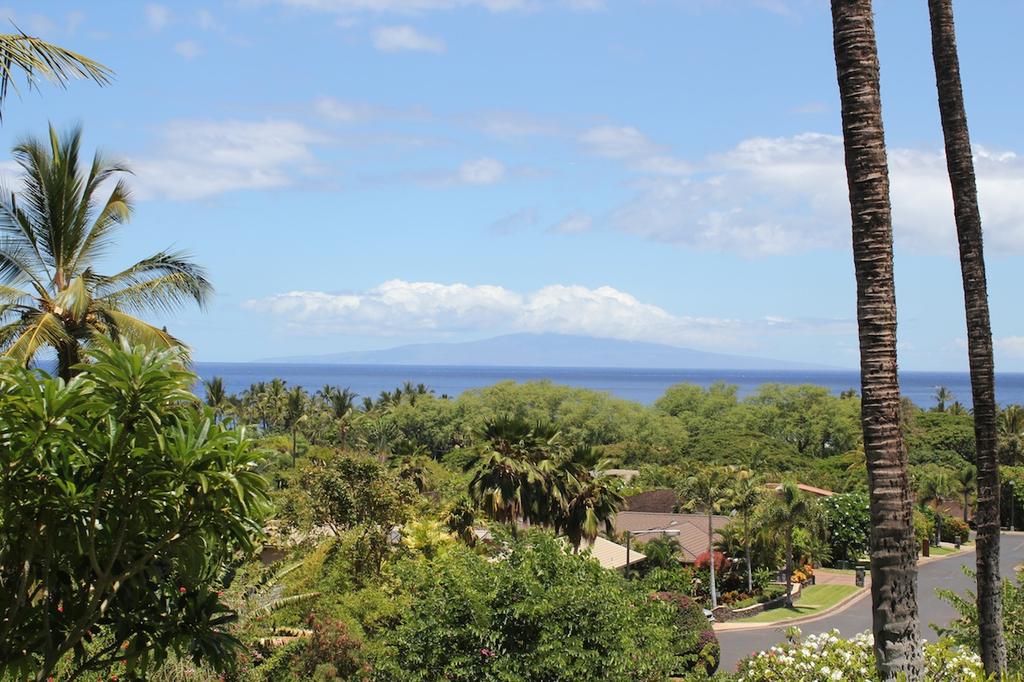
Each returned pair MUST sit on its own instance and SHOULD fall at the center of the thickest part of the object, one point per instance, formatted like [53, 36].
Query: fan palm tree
[39, 60]
[781, 514]
[511, 475]
[591, 503]
[896, 624]
[51, 235]
[707, 491]
[745, 494]
[960, 164]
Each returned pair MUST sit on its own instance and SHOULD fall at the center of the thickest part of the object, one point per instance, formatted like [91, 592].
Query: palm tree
[942, 396]
[39, 60]
[967, 483]
[960, 164]
[1011, 433]
[591, 502]
[934, 488]
[295, 412]
[781, 514]
[216, 396]
[511, 475]
[895, 625]
[707, 491]
[661, 552]
[51, 234]
[744, 495]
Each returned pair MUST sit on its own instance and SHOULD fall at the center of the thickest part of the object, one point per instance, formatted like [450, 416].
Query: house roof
[663, 500]
[690, 530]
[625, 474]
[611, 555]
[820, 492]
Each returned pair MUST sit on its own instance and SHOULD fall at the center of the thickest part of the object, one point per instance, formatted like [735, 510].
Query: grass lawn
[815, 599]
[941, 551]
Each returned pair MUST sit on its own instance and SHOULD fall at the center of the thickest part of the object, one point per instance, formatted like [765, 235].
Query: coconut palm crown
[52, 232]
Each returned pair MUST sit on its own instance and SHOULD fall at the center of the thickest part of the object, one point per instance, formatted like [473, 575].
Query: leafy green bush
[827, 657]
[121, 504]
[848, 522]
[924, 527]
[964, 630]
[696, 646]
[534, 612]
[954, 529]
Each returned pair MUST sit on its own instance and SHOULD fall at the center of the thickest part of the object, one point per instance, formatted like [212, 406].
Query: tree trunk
[898, 651]
[68, 355]
[711, 565]
[979, 330]
[789, 567]
[746, 551]
[967, 494]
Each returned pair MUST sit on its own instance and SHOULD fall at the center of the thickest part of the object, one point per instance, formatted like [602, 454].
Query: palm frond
[39, 330]
[162, 282]
[116, 211]
[74, 299]
[39, 60]
[120, 325]
[280, 603]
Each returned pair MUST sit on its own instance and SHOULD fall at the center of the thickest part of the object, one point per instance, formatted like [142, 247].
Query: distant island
[549, 350]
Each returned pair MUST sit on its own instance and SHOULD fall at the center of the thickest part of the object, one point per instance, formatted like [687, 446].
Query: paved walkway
[938, 572]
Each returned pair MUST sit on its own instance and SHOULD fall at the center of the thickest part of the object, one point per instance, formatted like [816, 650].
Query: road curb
[832, 611]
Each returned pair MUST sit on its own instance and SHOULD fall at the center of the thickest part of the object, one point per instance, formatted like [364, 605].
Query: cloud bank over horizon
[399, 308]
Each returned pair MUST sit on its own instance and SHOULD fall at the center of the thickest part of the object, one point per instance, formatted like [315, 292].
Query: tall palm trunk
[746, 551]
[979, 330]
[68, 355]
[898, 651]
[711, 562]
[789, 567]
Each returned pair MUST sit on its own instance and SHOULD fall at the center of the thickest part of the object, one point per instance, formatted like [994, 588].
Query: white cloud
[1011, 346]
[341, 110]
[206, 20]
[204, 158]
[398, 307]
[574, 223]
[406, 6]
[628, 144]
[189, 49]
[515, 221]
[514, 125]
[405, 38]
[157, 16]
[786, 195]
[481, 172]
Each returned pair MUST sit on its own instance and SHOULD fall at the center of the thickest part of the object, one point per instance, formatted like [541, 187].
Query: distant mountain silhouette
[548, 350]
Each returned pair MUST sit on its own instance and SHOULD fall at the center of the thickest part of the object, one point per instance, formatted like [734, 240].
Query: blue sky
[364, 173]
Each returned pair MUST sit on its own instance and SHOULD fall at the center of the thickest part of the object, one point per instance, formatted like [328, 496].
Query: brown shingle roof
[692, 529]
[662, 501]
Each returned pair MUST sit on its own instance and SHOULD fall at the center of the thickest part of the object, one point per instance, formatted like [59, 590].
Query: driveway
[942, 573]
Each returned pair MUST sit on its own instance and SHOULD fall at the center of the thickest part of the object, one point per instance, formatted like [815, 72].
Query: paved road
[945, 573]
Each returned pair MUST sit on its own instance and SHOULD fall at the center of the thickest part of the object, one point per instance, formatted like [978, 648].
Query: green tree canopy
[121, 501]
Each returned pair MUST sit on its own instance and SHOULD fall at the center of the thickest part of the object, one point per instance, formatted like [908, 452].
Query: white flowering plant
[829, 658]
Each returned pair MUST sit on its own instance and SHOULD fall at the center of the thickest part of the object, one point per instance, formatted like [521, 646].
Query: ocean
[641, 385]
